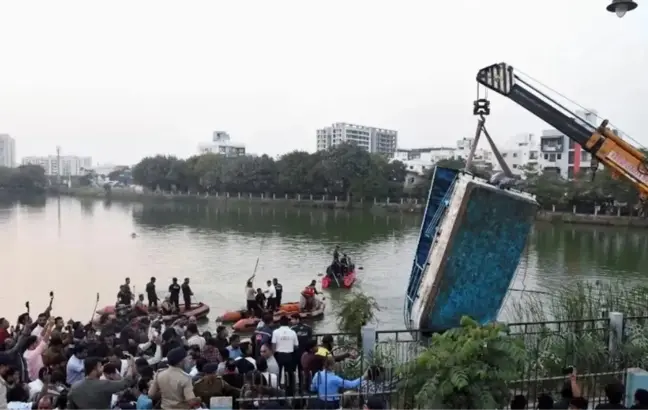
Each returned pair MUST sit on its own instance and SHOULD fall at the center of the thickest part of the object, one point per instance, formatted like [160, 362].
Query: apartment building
[560, 154]
[372, 139]
[65, 165]
[7, 151]
[222, 144]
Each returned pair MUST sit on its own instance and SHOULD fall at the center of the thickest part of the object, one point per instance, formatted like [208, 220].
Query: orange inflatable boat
[233, 316]
[249, 324]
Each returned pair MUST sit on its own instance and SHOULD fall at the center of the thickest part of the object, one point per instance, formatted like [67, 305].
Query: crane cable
[642, 167]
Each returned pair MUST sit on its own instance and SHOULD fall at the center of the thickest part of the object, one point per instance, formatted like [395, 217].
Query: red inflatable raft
[346, 281]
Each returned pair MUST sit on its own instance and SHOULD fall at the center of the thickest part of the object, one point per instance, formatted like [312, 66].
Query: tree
[25, 178]
[344, 170]
[354, 311]
[469, 367]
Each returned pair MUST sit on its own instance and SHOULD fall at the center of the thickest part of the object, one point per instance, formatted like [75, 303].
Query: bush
[469, 367]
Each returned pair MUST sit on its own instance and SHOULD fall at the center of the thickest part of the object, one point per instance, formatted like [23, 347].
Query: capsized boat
[249, 324]
[470, 244]
[346, 281]
[232, 316]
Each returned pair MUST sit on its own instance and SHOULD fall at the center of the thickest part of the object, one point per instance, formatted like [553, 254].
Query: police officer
[174, 291]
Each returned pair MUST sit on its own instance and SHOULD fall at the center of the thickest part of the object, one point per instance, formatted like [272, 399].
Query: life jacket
[308, 292]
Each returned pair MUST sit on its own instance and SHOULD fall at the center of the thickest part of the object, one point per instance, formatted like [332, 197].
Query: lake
[80, 247]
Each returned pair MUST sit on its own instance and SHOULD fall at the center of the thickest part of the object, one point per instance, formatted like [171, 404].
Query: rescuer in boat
[336, 254]
[174, 293]
[344, 264]
[166, 307]
[250, 296]
[151, 294]
[186, 294]
[308, 296]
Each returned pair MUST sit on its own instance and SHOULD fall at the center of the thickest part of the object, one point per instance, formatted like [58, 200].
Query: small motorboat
[345, 281]
[249, 324]
[232, 316]
[198, 310]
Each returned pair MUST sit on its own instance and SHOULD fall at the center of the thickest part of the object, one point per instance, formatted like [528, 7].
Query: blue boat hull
[472, 238]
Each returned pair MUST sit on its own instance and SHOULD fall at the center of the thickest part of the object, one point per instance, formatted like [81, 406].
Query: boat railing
[430, 232]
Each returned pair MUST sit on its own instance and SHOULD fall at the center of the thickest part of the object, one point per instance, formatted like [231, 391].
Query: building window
[515, 155]
[514, 166]
[504, 155]
[559, 157]
[546, 156]
[571, 157]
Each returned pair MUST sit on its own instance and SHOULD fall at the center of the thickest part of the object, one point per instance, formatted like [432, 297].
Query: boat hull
[345, 283]
[468, 252]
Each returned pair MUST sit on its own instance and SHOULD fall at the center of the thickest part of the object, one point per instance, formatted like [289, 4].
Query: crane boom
[610, 149]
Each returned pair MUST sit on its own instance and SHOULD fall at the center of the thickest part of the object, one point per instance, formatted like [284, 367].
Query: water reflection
[345, 226]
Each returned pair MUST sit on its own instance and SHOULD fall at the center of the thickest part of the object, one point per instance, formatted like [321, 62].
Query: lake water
[80, 247]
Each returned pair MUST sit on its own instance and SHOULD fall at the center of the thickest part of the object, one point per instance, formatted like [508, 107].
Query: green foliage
[355, 311]
[469, 367]
[570, 327]
[345, 170]
[25, 178]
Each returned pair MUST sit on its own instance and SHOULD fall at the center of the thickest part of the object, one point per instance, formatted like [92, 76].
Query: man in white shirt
[285, 344]
[271, 295]
[193, 337]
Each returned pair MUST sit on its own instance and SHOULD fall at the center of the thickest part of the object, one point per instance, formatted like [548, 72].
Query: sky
[120, 80]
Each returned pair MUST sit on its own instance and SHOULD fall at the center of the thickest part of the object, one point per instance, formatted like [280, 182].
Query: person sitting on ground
[166, 307]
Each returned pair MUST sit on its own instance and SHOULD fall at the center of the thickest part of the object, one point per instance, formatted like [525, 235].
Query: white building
[374, 140]
[521, 153]
[67, 165]
[7, 151]
[222, 144]
[560, 154]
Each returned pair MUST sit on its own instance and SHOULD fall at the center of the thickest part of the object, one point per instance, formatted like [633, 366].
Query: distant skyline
[132, 79]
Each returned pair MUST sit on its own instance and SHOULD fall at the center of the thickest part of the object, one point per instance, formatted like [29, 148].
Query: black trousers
[278, 301]
[175, 301]
[272, 304]
[187, 302]
[153, 300]
[286, 362]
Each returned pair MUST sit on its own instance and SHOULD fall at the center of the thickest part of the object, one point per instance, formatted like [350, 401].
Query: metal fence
[600, 349]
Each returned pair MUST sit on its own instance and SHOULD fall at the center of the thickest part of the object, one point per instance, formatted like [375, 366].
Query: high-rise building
[222, 144]
[374, 140]
[7, 151]
[65, 165]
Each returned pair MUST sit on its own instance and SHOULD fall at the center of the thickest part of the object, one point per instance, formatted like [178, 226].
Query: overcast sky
[119, 80]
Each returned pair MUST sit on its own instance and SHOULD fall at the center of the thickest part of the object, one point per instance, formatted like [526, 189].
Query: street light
[621, 7]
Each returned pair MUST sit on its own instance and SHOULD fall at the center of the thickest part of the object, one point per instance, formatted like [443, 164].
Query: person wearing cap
[173, 385]
[211, 385]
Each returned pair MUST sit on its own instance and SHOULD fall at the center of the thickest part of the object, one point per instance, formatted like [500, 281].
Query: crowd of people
[47, 363]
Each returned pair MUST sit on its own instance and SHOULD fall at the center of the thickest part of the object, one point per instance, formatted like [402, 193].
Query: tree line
[348, 171]
[25, 178]
[345, 170]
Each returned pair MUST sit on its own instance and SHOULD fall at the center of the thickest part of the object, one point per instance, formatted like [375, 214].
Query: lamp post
[621, 7]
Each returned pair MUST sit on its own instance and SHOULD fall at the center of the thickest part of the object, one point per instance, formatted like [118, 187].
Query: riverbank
[409, 205]
[223, 199]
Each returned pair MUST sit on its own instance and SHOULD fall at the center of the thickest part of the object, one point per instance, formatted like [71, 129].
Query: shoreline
[402, 205]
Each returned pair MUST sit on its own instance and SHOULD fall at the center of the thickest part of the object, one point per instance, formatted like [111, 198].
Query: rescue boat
[249, 324]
